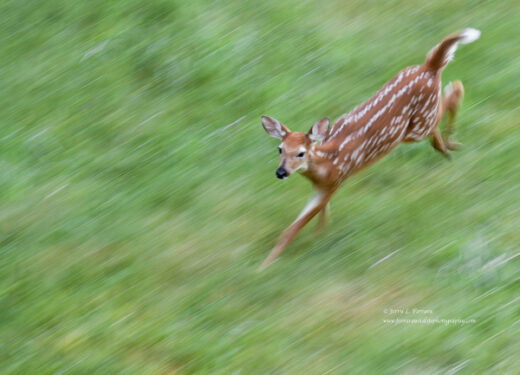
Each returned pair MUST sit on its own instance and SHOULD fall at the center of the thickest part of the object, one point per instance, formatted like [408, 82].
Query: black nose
[281, 173]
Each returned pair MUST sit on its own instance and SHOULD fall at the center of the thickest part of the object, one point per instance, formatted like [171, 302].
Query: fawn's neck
[319, 169]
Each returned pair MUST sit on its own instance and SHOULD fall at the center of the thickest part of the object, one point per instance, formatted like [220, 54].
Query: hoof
[453, 145]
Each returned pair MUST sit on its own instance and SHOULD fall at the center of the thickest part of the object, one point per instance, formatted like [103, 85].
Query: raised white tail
[444, 52]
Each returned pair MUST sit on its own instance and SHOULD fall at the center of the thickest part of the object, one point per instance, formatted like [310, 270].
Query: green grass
[133, 219]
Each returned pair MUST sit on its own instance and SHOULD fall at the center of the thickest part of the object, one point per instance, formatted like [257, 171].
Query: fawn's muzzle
[281, 173]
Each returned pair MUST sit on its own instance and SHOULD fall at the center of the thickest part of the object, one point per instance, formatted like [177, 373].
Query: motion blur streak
[138, 197]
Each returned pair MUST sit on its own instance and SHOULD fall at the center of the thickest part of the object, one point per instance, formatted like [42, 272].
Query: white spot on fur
[322, 171]
[321, 154]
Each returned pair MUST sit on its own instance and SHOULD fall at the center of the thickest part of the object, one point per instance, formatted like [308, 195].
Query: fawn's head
[295, 147]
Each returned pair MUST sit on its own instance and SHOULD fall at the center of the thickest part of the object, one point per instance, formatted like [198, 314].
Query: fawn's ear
[274, 128]
[319, 130]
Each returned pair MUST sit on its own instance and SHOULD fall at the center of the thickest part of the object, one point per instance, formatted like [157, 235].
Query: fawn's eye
[279, 150]
[300, 155]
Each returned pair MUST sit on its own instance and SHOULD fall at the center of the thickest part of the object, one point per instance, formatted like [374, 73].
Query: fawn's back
[405, 109]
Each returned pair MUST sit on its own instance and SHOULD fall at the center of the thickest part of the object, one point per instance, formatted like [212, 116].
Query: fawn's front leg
[322, 221]
[315, 205]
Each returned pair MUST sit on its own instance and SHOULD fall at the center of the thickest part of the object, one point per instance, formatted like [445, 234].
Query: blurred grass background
[138, 194]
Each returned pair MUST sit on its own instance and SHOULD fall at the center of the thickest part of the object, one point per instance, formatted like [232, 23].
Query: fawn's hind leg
[448, 131]
[453, 93]
[438, 142]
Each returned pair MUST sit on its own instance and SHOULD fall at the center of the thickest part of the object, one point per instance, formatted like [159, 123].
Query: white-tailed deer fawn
[407, 109]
